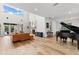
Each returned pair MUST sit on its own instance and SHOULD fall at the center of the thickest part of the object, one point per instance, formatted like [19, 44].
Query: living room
[32, 30]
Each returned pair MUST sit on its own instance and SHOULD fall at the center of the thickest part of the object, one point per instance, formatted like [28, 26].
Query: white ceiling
[49, 10]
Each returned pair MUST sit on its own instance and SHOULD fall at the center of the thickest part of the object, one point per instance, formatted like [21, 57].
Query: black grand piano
[73, 28]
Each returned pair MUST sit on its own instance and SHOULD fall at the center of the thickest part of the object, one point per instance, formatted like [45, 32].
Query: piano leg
[56, 38]
[78, 44]
[72, 40]
[77, 37]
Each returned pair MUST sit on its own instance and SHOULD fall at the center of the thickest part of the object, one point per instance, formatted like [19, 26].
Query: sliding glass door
[6, 29]
[9, 28]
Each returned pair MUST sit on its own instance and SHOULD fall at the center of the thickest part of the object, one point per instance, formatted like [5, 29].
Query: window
[9, 9]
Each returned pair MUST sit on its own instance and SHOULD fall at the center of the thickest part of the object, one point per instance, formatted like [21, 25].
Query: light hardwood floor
[38, 46]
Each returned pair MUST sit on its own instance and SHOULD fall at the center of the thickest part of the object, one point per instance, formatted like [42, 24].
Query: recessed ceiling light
[53, 17]
[35, 9]
[69, 12]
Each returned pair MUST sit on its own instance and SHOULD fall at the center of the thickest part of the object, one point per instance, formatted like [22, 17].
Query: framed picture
[47, 25]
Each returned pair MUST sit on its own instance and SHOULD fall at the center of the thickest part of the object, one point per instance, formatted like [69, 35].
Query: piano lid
[71, 27]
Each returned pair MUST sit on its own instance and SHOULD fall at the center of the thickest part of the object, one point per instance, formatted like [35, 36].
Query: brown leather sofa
[20, 37]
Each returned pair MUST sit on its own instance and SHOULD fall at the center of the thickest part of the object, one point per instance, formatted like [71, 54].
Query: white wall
[38, 22]
[48, 20]
[32, 20]
[54, 27]
[26, 23]
[41, 25]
